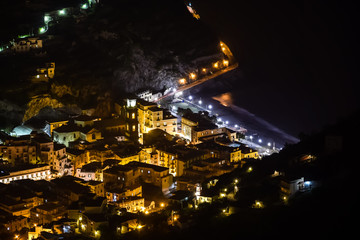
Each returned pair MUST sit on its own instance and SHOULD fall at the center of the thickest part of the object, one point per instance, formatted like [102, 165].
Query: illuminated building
[35, 172]
[152, 117]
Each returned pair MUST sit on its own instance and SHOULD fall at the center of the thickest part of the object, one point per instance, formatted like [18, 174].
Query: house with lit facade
[71, 132]
[240, 154]
[32, 172]
[152, 117]
[27, 44]
[155, 175]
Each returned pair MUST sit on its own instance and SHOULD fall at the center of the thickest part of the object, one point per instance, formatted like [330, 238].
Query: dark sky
[296, 58]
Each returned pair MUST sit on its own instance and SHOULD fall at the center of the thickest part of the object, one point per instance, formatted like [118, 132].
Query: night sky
[296, 58]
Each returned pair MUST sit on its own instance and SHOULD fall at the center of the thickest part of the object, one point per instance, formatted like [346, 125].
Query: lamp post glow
[216, 65]
[210, 107]
[192, 76]
[260, 141]
[62, 12]
[190, 98]
[269, 144]
[182, 81]
[200, 102]
[47, 19]
[42, 30]
[226, 122]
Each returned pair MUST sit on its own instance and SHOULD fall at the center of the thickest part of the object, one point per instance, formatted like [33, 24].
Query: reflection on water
[225, 99]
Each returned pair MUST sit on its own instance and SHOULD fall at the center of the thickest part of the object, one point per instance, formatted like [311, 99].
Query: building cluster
[84, 171]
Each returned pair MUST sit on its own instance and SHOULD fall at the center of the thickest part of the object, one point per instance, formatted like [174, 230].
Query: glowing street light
[210, 106]
[216, 65]
[84, 6]
[203, 70]
[251, 137]
[192, 75]
[269, 144]
[62, 12]
[219, 119]
[190, 98]
[162, 205]
[236, 126]
[226, 122]
[42, 30]
[182, 81]
[200, 102]
[225, 63]
[260, 141]
[47, 19]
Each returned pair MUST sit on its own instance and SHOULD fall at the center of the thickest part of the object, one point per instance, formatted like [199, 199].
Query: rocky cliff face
[121, 46]
[36, 104]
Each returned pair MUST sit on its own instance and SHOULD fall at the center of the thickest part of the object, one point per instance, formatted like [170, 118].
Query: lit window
[133, 128]
[133, 115]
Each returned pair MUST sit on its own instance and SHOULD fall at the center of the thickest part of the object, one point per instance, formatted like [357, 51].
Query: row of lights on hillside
[260, 141]
[193, 76]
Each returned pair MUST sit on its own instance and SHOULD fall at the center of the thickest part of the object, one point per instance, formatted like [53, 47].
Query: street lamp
[219, 119]
[226, 122]
[236, 125]
[251, 137]
[62, 12]
[210, 107]
[200, 102]
[269, 144]
[190, 98]
[260, 141]
[182, 81]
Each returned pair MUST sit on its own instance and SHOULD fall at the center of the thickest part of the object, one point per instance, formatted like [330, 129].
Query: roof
[156, 109]
[96, 217]
[146, 165]
[203, 123]
[74, 151]
[58, 146]
[91, 167]
[118, 168]
[49, 206]
[212, 160]
[9, 201]
[146, 103]
[68, 128]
